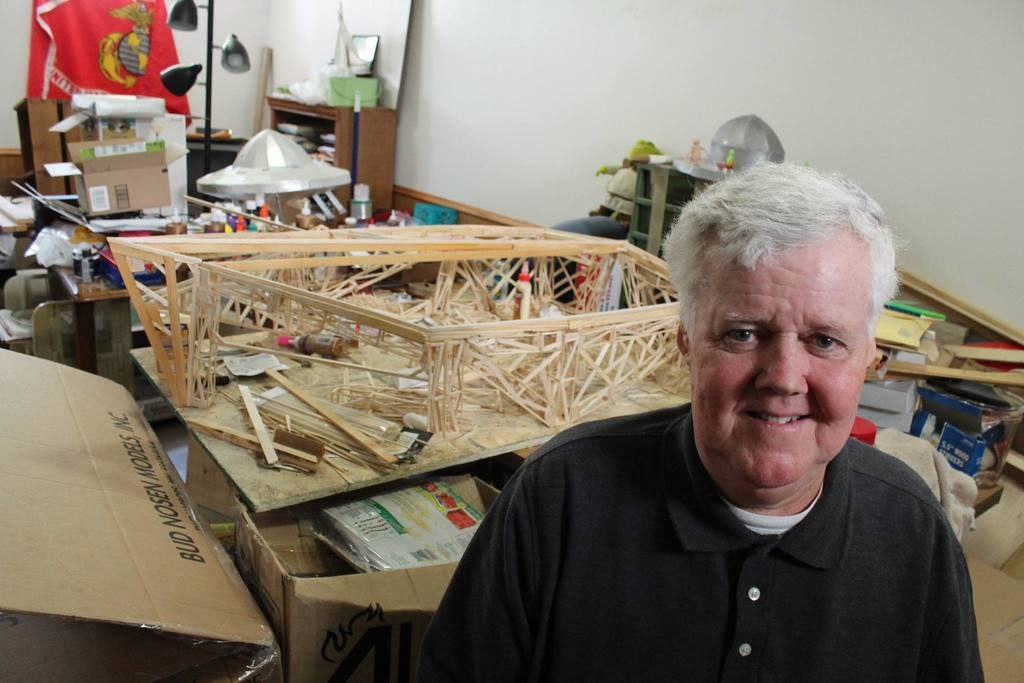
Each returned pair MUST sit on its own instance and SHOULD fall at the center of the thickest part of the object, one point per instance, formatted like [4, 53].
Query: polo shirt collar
[703, 522]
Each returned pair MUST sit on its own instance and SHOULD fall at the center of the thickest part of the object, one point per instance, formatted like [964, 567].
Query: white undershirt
[771, 525]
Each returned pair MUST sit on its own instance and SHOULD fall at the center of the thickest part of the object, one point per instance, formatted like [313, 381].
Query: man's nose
[784, 365]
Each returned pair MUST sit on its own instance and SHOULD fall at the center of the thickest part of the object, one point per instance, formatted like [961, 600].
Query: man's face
[777, 359]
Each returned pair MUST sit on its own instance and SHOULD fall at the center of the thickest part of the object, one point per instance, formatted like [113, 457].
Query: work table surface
[485, 433]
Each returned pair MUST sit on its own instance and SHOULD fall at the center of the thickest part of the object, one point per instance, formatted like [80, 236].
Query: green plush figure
[622, 186]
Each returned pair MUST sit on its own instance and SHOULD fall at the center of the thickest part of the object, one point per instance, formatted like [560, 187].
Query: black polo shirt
[611, 557]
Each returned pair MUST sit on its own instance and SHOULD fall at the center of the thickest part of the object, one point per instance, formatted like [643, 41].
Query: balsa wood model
[461, 333]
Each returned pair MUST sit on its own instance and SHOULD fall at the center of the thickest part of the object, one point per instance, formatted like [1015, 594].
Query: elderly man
[743, 536]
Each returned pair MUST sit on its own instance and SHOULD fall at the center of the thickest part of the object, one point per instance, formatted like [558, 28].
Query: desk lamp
[179, 79]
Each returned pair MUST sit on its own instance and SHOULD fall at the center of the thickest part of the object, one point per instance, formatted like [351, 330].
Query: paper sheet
[252, 366]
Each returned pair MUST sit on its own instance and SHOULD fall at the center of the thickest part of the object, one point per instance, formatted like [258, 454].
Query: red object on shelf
[864, 430]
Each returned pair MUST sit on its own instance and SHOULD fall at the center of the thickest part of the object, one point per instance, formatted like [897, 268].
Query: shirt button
[745, 649]
[754, 593]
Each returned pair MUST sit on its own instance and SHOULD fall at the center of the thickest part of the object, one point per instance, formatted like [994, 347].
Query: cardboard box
[208, 487]
[334, 624]
[962, 450]
[106, 573]
[883, 419]
[892, 396]
[130, 175]
[999, 611]
[123, 118]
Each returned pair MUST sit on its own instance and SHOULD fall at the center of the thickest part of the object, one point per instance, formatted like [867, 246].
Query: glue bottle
[305, 220]
[327, 345]
[251, 208]
[231, 221]
[524, 293]
[262, 225]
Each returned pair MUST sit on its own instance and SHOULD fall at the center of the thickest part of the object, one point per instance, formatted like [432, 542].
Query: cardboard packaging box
[973, 436]
[893, 396]
[112, 119]
[130, 175]
[999, 611]
[106, 573]
[332, 623]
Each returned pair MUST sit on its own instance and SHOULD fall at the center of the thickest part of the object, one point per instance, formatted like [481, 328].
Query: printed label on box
[121, 196]
[963, 451]
[99, 199]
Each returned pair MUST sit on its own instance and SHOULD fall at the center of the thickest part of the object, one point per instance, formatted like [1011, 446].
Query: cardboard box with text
[107, 575]
[333, 623]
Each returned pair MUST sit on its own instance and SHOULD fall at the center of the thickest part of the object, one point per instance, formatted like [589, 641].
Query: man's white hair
[750, 217]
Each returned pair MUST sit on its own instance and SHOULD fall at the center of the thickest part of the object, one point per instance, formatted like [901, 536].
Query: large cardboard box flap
[99, 540]
[999, 610]
[335, 624]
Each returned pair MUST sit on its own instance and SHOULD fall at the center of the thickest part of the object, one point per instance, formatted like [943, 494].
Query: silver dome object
[272, 164]
[753, 140]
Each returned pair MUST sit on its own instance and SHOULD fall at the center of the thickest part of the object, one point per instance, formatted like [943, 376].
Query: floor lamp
[179, 79]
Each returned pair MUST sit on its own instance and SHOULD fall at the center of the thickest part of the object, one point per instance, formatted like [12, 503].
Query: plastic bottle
[217, 222]
[231, 220]
[362, 206]
[251, 207]
[306, 220]
[263, 226]
[524, 293]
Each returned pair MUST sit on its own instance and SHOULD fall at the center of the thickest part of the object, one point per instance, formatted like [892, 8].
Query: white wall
[234, 95]
[513, 106]
[14, 34]
[313, 25]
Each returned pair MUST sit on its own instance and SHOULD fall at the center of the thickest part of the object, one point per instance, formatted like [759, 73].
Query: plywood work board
[487, 434]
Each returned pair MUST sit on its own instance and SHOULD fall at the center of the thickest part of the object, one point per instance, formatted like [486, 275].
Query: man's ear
[682, 341]
[872, 351]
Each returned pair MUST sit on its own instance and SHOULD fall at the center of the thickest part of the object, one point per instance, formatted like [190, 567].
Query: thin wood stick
[986, 353]
[331, 417]
[257, 424]
[1012, 379]
[289, 456]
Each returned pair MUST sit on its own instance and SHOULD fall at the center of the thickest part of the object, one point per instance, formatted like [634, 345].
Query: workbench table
[487, 433]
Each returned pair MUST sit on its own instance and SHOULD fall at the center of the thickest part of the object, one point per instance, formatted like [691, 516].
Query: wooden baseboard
[405, 198]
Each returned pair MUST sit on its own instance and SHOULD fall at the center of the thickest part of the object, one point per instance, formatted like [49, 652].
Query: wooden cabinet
[376, 163]
[39, 146]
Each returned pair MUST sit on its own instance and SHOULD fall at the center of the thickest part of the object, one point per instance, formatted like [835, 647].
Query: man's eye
[740, 335]
[823, 341]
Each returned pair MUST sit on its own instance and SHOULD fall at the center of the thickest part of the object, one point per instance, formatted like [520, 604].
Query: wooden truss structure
[452, 335]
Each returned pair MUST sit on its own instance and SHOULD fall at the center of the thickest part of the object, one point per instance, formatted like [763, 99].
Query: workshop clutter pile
[966, 406]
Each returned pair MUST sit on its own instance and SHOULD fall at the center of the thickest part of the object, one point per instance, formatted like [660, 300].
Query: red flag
[101, 46]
